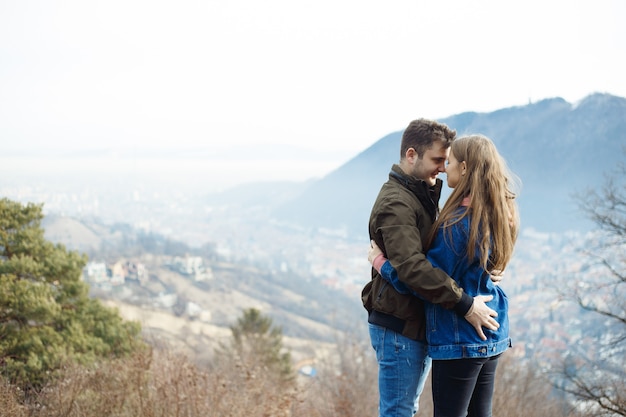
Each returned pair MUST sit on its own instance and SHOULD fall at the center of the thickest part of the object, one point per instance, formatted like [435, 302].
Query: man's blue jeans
[403, 365]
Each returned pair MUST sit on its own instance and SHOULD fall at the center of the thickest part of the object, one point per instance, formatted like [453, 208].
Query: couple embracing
[433, 300]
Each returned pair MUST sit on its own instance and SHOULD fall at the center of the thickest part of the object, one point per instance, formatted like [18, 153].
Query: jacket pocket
[381, 290]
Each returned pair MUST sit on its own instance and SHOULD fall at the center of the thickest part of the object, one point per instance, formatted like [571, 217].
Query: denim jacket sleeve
[389, 274]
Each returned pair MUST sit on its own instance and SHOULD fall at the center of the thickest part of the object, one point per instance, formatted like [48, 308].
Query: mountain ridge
[557, 149]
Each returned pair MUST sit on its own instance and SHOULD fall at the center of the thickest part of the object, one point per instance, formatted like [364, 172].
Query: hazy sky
[237, 77]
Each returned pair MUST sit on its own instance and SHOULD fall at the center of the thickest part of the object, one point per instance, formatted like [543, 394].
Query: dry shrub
[110, 388]
[522, 391]
[150, 383]
[346, 384]
[237, 389]
[161, 383]
[164, 383]
[10, 400]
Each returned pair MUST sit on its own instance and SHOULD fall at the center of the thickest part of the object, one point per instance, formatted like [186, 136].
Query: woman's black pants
[463, 387]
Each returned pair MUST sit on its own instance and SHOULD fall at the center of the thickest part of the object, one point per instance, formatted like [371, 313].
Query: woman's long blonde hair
[494, 222]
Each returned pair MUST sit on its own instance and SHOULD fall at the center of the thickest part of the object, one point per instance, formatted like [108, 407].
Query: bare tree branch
[597, 377]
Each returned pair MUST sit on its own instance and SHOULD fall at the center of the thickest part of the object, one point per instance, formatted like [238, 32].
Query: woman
[474, 234]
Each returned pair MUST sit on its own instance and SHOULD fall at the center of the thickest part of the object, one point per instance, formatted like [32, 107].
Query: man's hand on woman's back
[480, 315]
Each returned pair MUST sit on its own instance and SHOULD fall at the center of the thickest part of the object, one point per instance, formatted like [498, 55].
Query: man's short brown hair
[420, 135]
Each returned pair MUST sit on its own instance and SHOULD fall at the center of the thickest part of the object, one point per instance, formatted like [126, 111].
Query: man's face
[432, 163]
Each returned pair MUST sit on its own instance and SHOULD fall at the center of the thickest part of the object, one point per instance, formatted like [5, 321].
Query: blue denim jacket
[449, 335]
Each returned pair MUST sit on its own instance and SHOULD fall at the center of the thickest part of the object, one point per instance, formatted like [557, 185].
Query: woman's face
[454, 170]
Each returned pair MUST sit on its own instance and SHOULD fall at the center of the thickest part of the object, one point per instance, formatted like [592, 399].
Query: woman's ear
[463, 167]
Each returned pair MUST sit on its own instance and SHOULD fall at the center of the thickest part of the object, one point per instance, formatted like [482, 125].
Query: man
[400, 222]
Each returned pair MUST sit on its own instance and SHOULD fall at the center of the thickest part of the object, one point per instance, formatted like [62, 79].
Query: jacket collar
[427, 195]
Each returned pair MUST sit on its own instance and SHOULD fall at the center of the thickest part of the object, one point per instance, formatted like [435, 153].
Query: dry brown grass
[154, 383]
[346, 385]
[161, 382]
[522, 391]
[10, 401]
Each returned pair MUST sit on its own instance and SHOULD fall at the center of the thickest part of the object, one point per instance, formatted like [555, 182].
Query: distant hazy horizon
[213, 172]
[326, 76]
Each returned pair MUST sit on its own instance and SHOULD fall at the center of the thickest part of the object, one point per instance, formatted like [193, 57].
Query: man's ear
[411, 155]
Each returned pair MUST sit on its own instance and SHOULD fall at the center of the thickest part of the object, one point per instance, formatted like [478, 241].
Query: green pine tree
[46, 315]
[256, 343]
